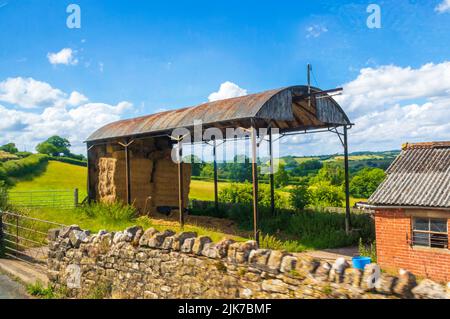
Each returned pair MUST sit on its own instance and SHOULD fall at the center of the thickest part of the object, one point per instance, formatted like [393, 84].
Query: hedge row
[69, 160]
[27, 165]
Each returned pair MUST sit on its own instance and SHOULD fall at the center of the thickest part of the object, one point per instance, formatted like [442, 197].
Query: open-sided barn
[130, 160]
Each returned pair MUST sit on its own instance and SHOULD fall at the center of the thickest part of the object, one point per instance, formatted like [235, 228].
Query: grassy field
[204, 190]
[57, 175]
[96, 223]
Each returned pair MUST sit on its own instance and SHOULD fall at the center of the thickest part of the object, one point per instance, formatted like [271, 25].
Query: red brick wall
[393, 235]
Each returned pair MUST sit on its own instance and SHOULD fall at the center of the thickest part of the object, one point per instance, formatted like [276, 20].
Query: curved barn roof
[287, 108]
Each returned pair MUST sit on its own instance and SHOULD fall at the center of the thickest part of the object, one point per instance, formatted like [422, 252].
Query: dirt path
[331, 255]
[10, 289]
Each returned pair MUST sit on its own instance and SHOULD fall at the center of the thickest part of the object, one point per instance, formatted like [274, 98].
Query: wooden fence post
[75, 197]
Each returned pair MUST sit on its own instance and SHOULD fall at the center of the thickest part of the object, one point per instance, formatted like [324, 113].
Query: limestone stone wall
[151, 264]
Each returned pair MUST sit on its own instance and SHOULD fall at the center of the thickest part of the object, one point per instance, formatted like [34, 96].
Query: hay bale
[153, 179]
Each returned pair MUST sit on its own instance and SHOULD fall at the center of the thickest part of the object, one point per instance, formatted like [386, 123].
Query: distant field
[56, 176]
[358, 157]
[204, 190]
[5, 156]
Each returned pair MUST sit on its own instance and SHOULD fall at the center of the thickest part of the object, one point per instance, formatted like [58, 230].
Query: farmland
[56, 176]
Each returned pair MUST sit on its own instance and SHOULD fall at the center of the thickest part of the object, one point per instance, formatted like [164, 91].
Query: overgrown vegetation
[100, 290]
[296, 230]
[115, 217]
[39, 290]
[243, 193]
[3, 196]
[366, 181]
[24, 166]
[368, 250]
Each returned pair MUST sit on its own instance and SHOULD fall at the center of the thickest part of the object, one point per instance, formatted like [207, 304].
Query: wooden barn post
[127, 173]
[88, 179]
[348, 223]
[180, 182]
[255, 183]
[216, 196]
[271, 177]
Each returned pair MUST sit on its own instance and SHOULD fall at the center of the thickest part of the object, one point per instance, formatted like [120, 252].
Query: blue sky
[157, 55]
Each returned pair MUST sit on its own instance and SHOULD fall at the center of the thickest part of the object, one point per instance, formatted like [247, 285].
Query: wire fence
[67, 198]
[25, 238]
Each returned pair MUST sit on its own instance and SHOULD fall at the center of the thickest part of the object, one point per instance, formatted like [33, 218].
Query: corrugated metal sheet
[274, 105]
[419, 176]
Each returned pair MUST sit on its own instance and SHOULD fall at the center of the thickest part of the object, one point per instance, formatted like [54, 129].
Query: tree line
[315, 182]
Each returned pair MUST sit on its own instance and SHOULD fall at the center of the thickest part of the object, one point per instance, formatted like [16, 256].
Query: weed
[38, 290]
[327, 290]
[100, 291]
[369, 250]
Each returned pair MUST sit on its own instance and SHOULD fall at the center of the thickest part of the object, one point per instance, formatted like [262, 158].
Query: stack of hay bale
[153, 178]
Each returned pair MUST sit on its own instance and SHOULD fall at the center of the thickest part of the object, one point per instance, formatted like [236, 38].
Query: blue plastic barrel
[359, 262]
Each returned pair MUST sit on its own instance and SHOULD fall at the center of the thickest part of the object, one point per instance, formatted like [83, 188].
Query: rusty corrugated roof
[274, 105]
[419, 176]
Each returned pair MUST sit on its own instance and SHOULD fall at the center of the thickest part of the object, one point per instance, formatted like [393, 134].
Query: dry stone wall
[152, 264]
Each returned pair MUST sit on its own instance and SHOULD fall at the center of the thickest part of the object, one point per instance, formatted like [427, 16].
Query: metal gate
[25, 238]
[54, 198]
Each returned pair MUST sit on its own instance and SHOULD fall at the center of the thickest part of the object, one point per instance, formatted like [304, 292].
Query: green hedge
[69, 160]
[27, 165]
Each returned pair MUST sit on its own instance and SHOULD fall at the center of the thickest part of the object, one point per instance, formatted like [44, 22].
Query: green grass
[204, 190]
[57, 175]
[116, 219]
[39, 290]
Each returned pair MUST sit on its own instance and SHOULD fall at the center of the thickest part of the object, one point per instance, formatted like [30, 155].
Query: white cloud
[67, 115]
[381, 87]
[76, 98]
[66, 56]
[29, 93]
[442, 7]
[314, 31]
[227, 90]
[390, 105]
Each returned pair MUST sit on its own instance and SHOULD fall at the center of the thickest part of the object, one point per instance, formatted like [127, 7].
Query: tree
[281, 177]
[325, 194]
[196, 164]
[332, 173]
[60, 146]
[47, 148]
[306, 167]
[366, 181]
[241, 169]
[10, 148]
[290, 162]
[207, 170]
[300, 197]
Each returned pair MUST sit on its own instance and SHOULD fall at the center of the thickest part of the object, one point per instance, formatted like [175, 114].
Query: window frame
[429, 232]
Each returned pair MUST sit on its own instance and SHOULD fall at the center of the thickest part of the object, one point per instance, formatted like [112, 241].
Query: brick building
[412, 212]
